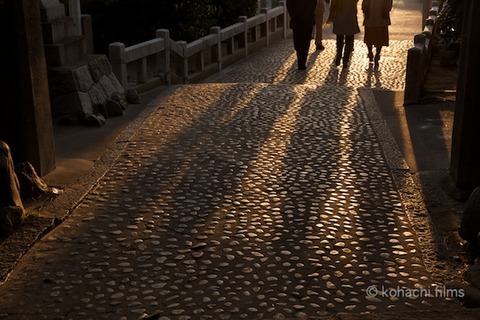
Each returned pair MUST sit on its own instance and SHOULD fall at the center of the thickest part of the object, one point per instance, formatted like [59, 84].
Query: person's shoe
[320, 47]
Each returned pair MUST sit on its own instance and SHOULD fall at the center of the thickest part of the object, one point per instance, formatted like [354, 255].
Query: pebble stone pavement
[262, 194]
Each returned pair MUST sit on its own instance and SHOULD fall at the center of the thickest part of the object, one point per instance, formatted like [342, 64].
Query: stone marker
[9, 184]
[11, 206]
[31, 185]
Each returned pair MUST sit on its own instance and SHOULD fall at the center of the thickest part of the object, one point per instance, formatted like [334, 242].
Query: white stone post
[117, 57]
[243, 19]
[216, 31]
[267, 25]
[183, 45]
[163, 60]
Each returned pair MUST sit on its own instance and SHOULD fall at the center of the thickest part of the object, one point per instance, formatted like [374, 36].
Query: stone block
[118, 86]
[75, 49]
[99, 67]
[120, 98]
[58, 30]
[101, 109]
[107, 85]
[97, 94]
[61, 80]
[59, 54]
[51, 10]
[55, 55]
[74, 103]
[83, 78]
[94, 120]
[132, 96]
[114, 108]
[91, 76]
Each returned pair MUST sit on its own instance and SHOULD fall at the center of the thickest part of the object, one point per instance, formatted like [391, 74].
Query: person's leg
[370, 52]
[348, 49]
[377, 54]
[302, 45]
[340, 43]
[297, 45]
[319, 29]
[305, 47]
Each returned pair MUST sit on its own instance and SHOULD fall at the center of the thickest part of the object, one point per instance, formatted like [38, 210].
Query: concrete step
[67, 51]
[58, 30]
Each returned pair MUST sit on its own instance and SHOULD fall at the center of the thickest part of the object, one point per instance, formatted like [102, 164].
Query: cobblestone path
[263, 194]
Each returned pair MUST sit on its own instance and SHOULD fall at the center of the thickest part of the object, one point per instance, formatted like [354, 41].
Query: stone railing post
[243, 19]
[267, 24]
[184, 56]
[87, 31]
[427, 4]
[415, 72]
[216, 30]
[285, 18]
[117, 57]
[164, 59]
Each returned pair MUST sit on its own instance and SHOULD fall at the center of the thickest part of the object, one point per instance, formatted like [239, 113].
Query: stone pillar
[465, 157]
[75, 12]
[51, 10]
[25, 120]
[427, 4]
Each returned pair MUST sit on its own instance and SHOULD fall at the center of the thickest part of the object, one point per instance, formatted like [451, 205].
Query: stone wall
[85, 89]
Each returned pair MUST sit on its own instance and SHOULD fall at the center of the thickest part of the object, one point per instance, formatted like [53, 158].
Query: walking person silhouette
[302, 20]
[319, 12]
[343, 14]
[376, 21]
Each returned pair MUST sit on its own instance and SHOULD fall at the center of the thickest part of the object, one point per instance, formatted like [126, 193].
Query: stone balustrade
[418, 58]
[164, 61]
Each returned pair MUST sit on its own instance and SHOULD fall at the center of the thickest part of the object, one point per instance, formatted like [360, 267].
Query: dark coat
[376, 12]
[343, 14]
[302, 14]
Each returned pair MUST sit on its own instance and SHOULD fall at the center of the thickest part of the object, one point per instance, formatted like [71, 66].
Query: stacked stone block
[62, 44]
[83, 88]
